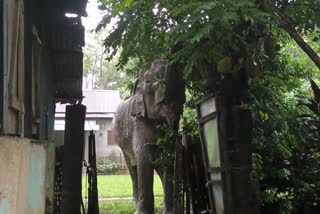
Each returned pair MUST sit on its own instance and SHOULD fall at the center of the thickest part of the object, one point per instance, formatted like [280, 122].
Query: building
[40, 65]
[101, 107]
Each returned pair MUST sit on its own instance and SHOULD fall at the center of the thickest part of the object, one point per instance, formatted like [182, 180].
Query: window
[111, 140]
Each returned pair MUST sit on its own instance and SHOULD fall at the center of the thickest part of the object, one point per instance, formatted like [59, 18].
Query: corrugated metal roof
[98, 102]
[90, 115]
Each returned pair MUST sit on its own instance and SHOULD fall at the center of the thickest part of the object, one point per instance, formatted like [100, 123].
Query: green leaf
[261, 114]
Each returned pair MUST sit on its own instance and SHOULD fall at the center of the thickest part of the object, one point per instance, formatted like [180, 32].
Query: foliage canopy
[205, 31]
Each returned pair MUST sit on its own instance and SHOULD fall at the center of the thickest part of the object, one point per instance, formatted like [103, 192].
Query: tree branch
[289, 27]
[285, 24]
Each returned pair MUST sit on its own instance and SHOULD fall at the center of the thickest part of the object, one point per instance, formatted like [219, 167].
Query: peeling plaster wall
[49, 179]
[23, 180]
[14, 158]
[36, 180]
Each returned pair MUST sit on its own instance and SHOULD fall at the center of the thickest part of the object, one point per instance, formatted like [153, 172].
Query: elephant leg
[168, 190]
[134, 177]
[145, 184]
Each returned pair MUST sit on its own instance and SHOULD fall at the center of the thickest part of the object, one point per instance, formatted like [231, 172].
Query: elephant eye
[148, 81]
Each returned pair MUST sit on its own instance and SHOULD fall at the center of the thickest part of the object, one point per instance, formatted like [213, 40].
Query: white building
[101, 107]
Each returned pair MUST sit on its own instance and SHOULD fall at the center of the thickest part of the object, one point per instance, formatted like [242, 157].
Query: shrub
[108, 166]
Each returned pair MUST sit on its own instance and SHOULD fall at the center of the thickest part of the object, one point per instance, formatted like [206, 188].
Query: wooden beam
[73, 157]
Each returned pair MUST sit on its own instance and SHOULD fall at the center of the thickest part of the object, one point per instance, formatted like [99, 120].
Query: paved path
[116, 198]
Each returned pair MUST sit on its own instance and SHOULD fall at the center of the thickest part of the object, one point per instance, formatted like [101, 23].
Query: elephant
[158, 98]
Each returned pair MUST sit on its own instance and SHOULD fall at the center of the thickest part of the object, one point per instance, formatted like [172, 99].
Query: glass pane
[207, 107]
[218, 198]
[210, 130]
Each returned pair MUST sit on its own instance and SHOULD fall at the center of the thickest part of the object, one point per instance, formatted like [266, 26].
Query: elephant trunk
[171, 115]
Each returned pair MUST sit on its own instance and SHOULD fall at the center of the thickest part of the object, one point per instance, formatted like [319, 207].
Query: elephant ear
[161, 82]
[137, 106]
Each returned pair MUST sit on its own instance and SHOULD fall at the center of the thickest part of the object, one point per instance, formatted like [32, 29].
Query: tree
[148, 29]
[99, 73]
[204, 32]
[93, 57]
[285, 159]
[226, 39]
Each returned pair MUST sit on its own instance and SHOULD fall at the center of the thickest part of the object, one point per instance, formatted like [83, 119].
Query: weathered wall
[36, 180]
[13, 183]
[24, 166]
[27, 89]
[47, 100]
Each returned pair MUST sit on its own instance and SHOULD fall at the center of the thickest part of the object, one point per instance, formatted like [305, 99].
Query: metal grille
[58, 180]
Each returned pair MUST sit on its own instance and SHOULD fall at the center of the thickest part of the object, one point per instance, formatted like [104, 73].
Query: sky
[94, 15]
[90, 23]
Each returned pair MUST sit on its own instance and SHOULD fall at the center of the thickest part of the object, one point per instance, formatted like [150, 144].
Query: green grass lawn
[125, 206]
[118, 186]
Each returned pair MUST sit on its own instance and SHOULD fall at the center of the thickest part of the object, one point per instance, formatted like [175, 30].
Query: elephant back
[122, 123]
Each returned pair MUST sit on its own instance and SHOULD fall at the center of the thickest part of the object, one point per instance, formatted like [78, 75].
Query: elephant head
[160, 93]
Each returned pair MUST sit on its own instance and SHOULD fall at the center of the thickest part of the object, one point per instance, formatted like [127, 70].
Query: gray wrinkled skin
[159, 96]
